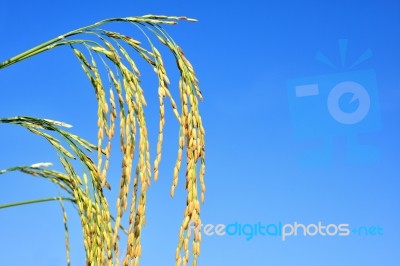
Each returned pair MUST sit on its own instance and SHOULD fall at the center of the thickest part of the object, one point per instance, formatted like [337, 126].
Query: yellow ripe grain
[186, 259]
[186, 244]
[197, 206]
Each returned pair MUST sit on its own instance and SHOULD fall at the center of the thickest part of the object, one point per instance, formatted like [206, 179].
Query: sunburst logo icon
[343, 103]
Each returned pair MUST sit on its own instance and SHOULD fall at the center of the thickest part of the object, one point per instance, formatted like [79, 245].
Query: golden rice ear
[100, 51]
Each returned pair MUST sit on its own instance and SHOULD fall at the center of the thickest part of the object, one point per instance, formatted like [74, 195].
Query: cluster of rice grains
[125, 101]
[89, 199]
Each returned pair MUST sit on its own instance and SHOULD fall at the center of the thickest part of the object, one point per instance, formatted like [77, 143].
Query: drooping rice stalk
[123, 102]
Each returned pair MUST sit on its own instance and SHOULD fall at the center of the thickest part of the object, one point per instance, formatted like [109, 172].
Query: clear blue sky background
[272, 157]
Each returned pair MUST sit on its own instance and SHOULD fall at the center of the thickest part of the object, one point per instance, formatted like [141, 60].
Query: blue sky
[272, 157]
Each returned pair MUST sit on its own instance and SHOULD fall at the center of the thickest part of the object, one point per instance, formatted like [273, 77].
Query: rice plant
[106, 55]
